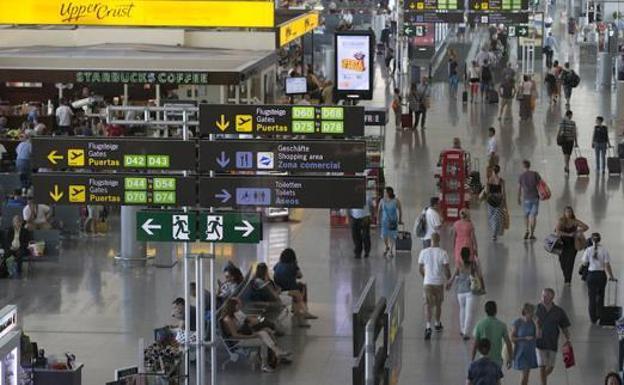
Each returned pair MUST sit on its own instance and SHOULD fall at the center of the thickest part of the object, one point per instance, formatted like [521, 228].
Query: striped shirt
[567, 129]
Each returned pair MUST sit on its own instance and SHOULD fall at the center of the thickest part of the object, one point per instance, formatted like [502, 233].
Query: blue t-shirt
[484, 372]
[285, 275]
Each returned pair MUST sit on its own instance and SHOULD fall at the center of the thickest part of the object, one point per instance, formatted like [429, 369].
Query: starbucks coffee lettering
[72, 13]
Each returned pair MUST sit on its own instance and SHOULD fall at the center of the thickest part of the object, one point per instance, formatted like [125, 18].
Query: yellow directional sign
[77, 193]
[75, 157]
[244, 123]
[53, 157]
[297, 27]
[222, 124]
[145, 13]
[56, 195]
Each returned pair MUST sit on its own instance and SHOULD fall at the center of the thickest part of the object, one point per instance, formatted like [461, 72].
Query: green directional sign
[230, 227]
[166, 226]
[169, 226]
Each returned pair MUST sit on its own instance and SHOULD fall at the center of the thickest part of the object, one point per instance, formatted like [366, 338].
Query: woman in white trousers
[463, 279]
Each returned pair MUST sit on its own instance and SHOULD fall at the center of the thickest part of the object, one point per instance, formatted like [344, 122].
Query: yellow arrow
[56, 195]
[223, 124]
[53, 157]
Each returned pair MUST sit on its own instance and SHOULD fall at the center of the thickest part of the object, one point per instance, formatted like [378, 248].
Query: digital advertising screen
[354, 65]
[296, 86]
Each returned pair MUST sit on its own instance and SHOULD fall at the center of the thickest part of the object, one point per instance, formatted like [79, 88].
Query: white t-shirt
[64, 115]
[598, 263]
[433, 221]
[434, 259]
[492, 146]
[40, 217]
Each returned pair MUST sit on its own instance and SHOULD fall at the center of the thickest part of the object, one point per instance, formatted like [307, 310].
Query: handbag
[568, 356]
[583, 271]
[506, 219]
[476, 284]
[543, 190]
[553, 244]
[580, 242]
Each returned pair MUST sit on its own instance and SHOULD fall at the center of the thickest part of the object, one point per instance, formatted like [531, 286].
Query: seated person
[244, 335]
[16, 199]
[287, 273]
[233, 279]
[178, 325]
[256, 322]
[37, 216]
[16, 242]
[263, 289]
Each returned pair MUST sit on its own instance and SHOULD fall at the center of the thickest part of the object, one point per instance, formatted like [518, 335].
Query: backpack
[573, 79]
[420, 227]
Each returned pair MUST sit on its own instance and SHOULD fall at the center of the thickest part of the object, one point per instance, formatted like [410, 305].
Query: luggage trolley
[453, 183]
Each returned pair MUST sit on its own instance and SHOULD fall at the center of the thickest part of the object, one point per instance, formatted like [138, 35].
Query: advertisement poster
[353, 61]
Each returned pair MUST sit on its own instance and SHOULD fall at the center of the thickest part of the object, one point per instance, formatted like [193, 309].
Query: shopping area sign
[140, 13]
[283, 155]
[114, 189]
[229, 227]
[263, 120]
[113, 154]
[282, 191]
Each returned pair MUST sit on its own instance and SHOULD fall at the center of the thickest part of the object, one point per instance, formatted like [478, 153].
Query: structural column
[132, 251]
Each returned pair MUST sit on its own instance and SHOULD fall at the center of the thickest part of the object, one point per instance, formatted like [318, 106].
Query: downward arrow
[223, 160]
[224, 196]
[222, 124]
[56, 195]
[247, 228]
[148, 226]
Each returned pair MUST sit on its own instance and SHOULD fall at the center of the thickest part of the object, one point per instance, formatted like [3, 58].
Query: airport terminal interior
[96, 293]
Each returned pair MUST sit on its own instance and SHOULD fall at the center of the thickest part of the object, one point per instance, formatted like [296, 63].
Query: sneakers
[427, 333]
[439, 327]
[267, 369]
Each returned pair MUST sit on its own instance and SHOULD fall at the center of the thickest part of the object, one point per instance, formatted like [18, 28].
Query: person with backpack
[600, 143]
[391, 216]
[429, 222]
[569, 80]
[507, 92]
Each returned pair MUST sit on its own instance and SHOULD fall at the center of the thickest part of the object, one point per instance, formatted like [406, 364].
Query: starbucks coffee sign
[141, 77]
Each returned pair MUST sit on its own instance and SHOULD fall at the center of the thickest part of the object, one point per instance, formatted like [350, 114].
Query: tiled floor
[98, 310]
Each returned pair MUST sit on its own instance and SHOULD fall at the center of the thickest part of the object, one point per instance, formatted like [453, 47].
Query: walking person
[495, 331]
[492, 148]
[360, 228]
[523, 335]
[391, 216]
[598, 263]
[567, 81]
[453, 66]
[507, 92]
[528, 198]
[484, 371]
[421, 95]
[397, 108]
[433, 265]
[434, 220]
[551, 319]
[525, 97]
[551, 82]
[496, 203]
[465, 273]
[22, 162]
[567, 138]
[474, 75]
[486, 79]
[570, 230]
[550, 46]
[464, 237]
[600, 143]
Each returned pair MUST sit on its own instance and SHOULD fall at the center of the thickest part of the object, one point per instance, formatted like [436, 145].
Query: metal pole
[185, 252]
[369, 353]
[202, 318]
[125, 91]
[199, 362]
[213, 319]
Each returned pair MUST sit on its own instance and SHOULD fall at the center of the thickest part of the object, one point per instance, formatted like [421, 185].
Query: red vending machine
[452, 183]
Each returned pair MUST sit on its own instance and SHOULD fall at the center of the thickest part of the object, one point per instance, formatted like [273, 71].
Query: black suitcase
[614, 164]
[492, 96]
[465, 96]
[610, 312]
[403, 241]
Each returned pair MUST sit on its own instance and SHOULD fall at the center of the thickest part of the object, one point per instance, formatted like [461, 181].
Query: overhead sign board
[140, 13]
[114, 189]
[430, 17]
[283, 155]
[229, 227]
[297, 27]
[376, 116]
[263, 120]
[113, 154]
[499, 18]
[433, 5]
[282, 191]
[498, 5]
[354, 62]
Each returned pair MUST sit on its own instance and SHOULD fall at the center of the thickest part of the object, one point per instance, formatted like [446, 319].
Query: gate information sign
[343, 121]
[113, 154]
[283, 155]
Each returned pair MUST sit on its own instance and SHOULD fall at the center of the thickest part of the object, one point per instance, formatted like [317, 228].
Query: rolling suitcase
[610, 312]
[492, 97]
[406, 121]
[403, 241]
[582, 167]
[614, 165]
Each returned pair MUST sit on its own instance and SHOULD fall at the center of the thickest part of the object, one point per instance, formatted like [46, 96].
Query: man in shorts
[528, 198]
[550, 319]
[433, 264]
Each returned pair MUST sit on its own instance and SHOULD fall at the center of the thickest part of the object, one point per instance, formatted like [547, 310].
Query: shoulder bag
[476, 283]
[553, 244]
